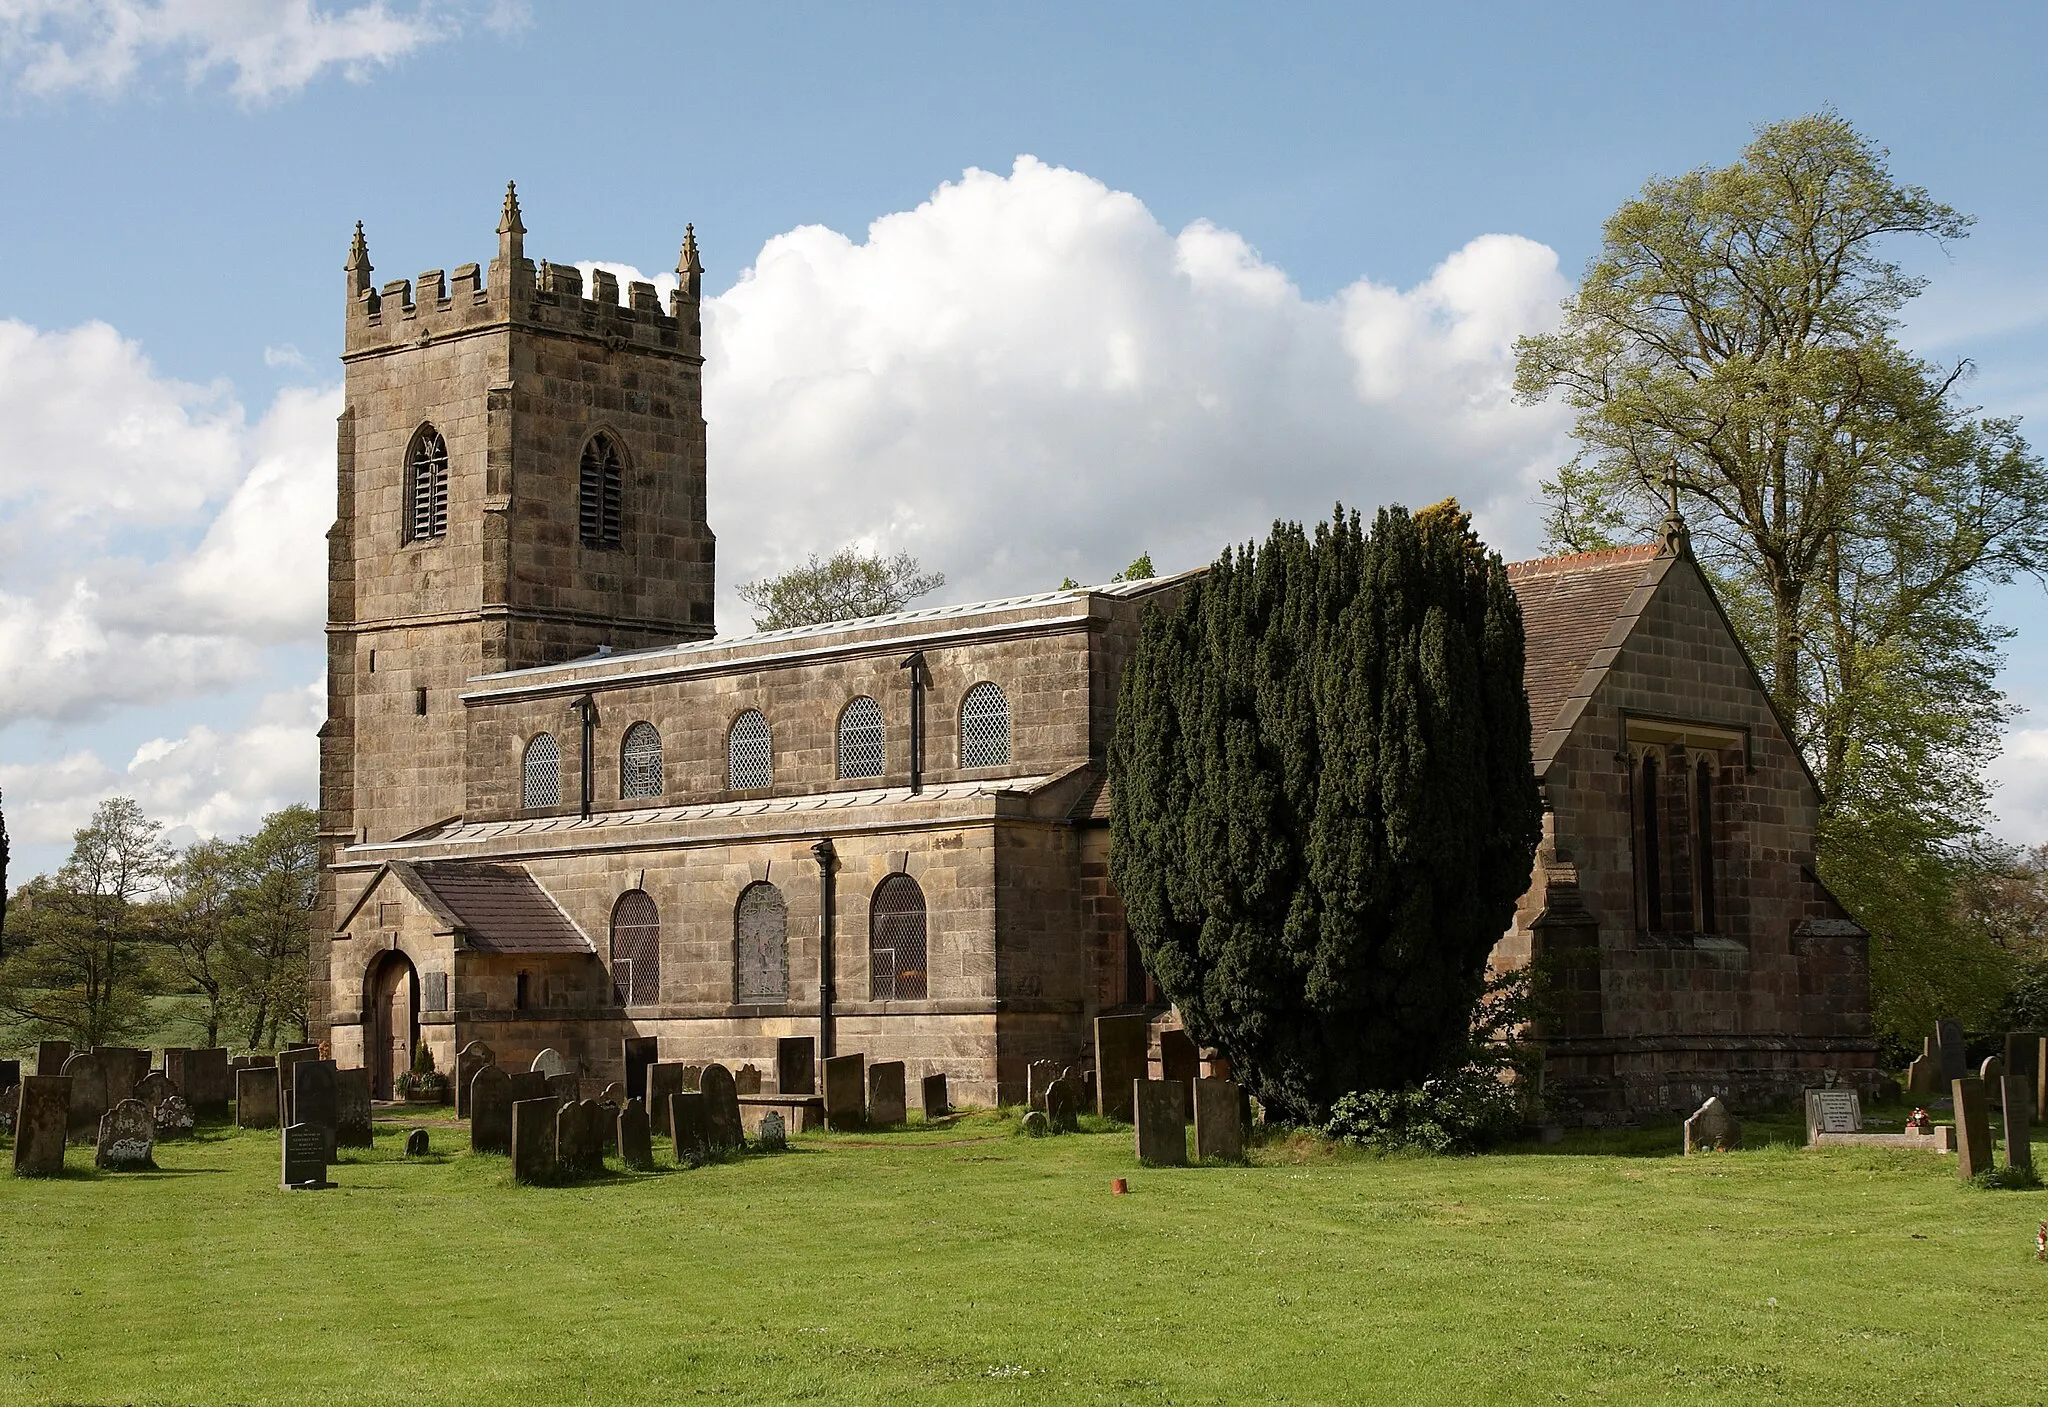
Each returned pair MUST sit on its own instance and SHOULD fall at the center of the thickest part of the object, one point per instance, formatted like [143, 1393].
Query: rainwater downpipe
[915, 664]
[586, 707]
[825, 856]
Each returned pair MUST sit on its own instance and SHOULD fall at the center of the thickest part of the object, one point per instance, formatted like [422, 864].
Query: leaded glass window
[601, 494]
[636, 950]
[760, 926]
[896, 941]
[640, 762]
[542, 785]
[860, 739]
[426, 486]
[749, 759]
[984, 727]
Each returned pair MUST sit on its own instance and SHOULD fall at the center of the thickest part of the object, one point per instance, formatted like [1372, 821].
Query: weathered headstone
[1119, 1063]
[614, 1094]
[936, 1103]
[470, 1059]
[1923, 1076]
[416, 1144]
[201, 1075]
[490, 1111]
[579, 1137]
[127, 1137]
[721, 1106]
[566, 1087]
[315, 1098]
[50, 1058]
[690, 1127]
[2020, 1053]
[352, 1117]
[664, 1082]
[1063, 1105]
[10, 1073]
[747, 1079]
[2017, 1093]
[1089, 1099]
[304, 1147]
[1035, 1123]
[1037, 1075]
[42, 1125]
[1180, 1059]
[174, 1118]
[1991, 1071]
[1712, 1127]
[125, 1066]
[256, 1097]
[846, 1092]
[796, 1065]
[636, 1146]
[888, 1105]
[153, 1089]
[1948, 1039]
[1973, 1128]
[1219, 1120]
[9, 1098]
[1833, 1110]
[529, 1084]
[772, 1133]
[173, 1066]
[550, 1063]
[87, 1074]
[288, 1060]
[533, 1140]
[1161, 1109]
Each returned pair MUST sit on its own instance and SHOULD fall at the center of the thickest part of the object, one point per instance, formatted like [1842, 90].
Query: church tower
[521, 481]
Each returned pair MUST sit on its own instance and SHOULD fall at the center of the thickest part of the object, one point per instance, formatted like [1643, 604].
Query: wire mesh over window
[636, 950]
[860, 739]
[984, 727]
[542, 785]
[760, 926]
[896, 941]
[749, 759]
[426, 486]
[601, 499]
[640, 762]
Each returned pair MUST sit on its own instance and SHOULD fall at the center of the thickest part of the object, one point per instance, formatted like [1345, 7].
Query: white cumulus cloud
[2020, 776]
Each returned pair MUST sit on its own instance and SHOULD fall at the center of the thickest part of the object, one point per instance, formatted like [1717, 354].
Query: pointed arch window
[640, 762]
[896, 941]
[1703, 841]
[1650, 801]
[760, 931]
[984, 727]
[861, 738]
[426, 486]
[601, 494]
[636, 950]
[749, 753]
[541, 776]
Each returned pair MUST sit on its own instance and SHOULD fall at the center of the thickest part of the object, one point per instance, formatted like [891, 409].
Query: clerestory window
[640, 762]
[861, 737]
[984, 727]
[541, 782]
[749, 753]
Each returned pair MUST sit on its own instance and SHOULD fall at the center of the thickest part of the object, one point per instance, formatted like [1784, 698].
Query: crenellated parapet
[513, 291]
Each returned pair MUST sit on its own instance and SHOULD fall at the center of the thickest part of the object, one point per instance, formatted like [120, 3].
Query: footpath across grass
[966, 1264]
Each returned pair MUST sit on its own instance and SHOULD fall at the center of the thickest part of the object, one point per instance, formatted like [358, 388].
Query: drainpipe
[915, 664]
[825, 856]
[586, 708]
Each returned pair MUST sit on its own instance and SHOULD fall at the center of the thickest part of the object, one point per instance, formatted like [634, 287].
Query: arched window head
[896, 941]
[760, 933]
[541, 780]
[426, 486]
[601, 494]
[640, 762]
[636, 950]
[860, 739]
[984, 727]
[749, 757]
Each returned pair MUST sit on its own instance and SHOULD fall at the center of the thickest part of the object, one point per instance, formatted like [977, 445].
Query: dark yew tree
[1323, 810]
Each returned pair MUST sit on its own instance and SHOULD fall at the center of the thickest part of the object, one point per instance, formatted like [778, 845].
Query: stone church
[559, 812]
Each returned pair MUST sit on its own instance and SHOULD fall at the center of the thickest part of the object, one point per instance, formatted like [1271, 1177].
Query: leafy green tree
[277, 875]
[198, 913]
[80, 971]
[1322, 811]
[848, 585]
[1140, 569]
[1733, 348]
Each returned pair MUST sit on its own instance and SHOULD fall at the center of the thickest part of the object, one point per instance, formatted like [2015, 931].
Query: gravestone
[529, 1084]
[315, 1098]
[125, 1067]
[565, 1087]
[747, 1079]
[153, 1089]
[174, 1118]
[352, 1119]
[256, 1097]
[202, 1077]
[664, 1082]
[470, 1059]
[721, 1106]
[10, 1073]
[1948, 1039]
[1161, 1110]
[2040, 1072]
[1973, 1128]
[1833, 1110]
[636, 1145]
[579, 1137]
[1219, 1120]
[127, 1137]
[1036, 1124]
[2017, 1093]
[796, 1065]
[2022, 1050]
[416, 1145]
[1714, 1127]
[1923, 1076]
[1063, 1105]
[550, 1063]
[690, 1126]
[9, 1098]
[887, 1102]
[1037, 1075]
[615, 1095]
[1991, 1071]
[846, 1092]
[772, 1134]
[1119, 1063]
[42, 1125]
[533, 1140]
[490, 1111]
[1089, 1099]
[637, 1053]
[50, 1058]
[1180, 1060]
[936, 1104]
[89, 1102]
[288, 1060]
[305, 1157]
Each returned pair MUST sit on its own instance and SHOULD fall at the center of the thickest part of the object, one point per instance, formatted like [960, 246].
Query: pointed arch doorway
[394, 1019]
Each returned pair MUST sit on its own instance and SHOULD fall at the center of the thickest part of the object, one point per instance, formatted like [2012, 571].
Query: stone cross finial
[358, 265]
[511, 231]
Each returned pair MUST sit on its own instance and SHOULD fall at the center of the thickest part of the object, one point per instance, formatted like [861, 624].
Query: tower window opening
[426, 487]
[601, 496]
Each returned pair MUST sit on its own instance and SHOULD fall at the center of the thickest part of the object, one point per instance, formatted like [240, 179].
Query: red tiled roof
[501, 909]
[1570, 606]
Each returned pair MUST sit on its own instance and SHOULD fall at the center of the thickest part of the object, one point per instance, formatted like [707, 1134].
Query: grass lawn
[966, 1264]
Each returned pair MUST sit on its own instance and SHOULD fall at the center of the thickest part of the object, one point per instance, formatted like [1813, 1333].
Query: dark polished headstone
[636, 1147]
[1119, 1062]
[316, 1098]
[887, 1102]
[304, 1148]
[721, 1106]
[846, 1092]
[796, 1065]
[1161, 1109]
[937, 1104]
[533, 1140]
[490, 1111]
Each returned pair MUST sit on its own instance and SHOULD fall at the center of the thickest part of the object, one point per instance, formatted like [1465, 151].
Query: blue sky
[1265, 257]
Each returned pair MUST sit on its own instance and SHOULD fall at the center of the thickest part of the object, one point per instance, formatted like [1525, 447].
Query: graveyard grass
[967, 1264]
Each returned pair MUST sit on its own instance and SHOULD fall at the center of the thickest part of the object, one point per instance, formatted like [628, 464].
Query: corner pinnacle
[508, 222]
[688, 263]
[358, 266]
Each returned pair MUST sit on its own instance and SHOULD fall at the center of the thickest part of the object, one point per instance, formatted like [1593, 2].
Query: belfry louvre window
[640, 762]
[601, 494]
[984, 727]
[860, 739]
[426, 486]
[636, 950]
[896, 941]
[749, 755]
[760, 929]
[541, 784]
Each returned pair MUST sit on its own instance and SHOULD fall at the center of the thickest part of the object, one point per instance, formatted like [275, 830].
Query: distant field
[965, 1264]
